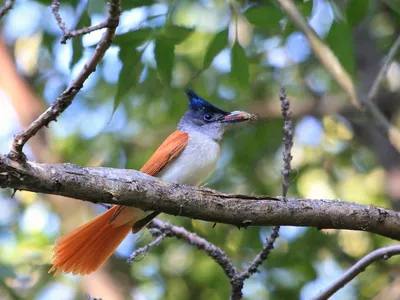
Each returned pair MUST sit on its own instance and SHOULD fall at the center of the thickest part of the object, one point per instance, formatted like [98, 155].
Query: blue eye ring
[208, 117]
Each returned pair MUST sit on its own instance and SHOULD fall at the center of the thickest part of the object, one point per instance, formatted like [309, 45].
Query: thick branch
[132, 188]
[66, 98]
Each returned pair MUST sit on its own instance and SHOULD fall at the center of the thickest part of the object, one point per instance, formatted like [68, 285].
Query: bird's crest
[197, 103]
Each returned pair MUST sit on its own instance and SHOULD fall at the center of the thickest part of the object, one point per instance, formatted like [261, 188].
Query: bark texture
[132, 188]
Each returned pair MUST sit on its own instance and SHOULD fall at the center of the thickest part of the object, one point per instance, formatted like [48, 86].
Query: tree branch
[339, 74]
[360, 266]
[322, 52]
[66, 98]
[144, 250]
[287, 158]
[392, 132]
[210, 249]
[67, 34]
[132, 188]
[9, 5]
[382, 72]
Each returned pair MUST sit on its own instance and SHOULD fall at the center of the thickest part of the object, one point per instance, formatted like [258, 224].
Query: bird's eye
[208, 117]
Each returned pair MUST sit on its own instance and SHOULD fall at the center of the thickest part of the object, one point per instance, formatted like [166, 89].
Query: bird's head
[205, 118]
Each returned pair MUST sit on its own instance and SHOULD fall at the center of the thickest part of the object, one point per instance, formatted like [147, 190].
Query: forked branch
[66, 98]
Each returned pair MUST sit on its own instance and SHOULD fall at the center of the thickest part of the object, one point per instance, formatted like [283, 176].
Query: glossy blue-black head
[203, 109]
[203, 117]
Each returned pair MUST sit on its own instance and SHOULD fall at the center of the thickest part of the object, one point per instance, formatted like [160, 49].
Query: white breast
[196, 162]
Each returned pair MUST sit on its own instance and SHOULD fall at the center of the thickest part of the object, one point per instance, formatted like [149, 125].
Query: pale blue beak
[238, 116]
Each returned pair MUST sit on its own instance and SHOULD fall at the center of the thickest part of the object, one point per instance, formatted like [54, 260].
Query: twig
[385, 66]
[263, 255]
[210, 249]
[322, 52]
[55, 7]
[382, 253]
[333, 66]
[391, 131]
[157, 241]
[66, 98]
[237, 283]
[9, 5]
[287, 140]
[67, 34]
[165, 229]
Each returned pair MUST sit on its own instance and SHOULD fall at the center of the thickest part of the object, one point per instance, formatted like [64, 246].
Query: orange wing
[85, 249]
[168, 151]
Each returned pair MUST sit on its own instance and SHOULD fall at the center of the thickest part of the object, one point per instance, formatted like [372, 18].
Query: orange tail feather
[85, 249]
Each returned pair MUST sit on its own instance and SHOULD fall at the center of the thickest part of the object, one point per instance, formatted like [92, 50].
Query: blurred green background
[236, 55]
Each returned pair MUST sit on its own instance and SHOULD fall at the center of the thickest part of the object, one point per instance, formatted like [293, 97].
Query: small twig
[391, 131]
[287, 140]
[210, 249]
[66, 98]
[287, 158]
[55, 7]
[339, 74]
[9, 5]
[165, 229]
[237, 283]
[157, 241]
[382, 72]
[83, 31]
[322, 52]
[357, 268]
[67, 34]
[263, 255]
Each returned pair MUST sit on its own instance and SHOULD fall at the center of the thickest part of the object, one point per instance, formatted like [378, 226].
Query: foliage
[236, 55]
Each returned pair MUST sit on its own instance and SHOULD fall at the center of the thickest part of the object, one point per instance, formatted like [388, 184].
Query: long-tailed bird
[188, 156]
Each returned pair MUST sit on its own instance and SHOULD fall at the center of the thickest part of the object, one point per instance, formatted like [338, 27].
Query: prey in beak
[238, 116]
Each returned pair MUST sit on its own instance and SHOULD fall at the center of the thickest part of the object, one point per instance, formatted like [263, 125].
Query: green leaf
[134, 38]
[341, 42]
[239, 65]
[356, 11]
[129, 75]
[164, 55]
[264, 16]
[176, 34]
[217, 44]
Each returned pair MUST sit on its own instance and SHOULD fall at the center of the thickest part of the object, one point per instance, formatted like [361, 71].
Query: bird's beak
[238, 116]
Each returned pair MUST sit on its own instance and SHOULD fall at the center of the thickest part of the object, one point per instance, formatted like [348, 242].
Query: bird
[187, 156]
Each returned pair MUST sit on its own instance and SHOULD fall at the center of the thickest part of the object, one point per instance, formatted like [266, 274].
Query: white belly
[196, 162]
